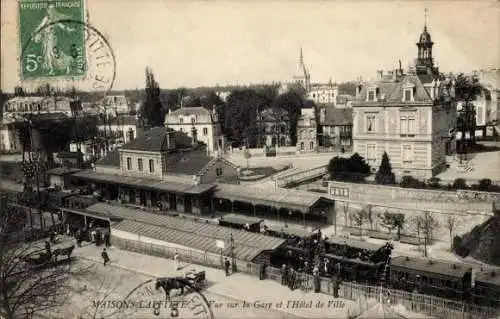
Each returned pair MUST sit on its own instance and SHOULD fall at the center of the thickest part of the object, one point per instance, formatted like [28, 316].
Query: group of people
[91, 234]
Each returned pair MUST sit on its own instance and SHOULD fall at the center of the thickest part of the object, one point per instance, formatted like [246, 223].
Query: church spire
[426, 11]
[301, 57]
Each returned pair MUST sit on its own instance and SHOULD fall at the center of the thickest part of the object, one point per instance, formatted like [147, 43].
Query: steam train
[362, 262]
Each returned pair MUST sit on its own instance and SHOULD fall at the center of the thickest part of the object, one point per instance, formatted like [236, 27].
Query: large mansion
[198, 123]
[411, 117]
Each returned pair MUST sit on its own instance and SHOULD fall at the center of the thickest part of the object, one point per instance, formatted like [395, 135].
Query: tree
[152, 109]
[359, 217]
[434, 182]
[247, 156]
[346, 212]
[427, 224]
[27, 290]
[484, 184]
[392, 221]
[466, 90]
[370, 215]
[352, 169]
[384, 174]
[386, 221]
[292, 101]
[451, 222]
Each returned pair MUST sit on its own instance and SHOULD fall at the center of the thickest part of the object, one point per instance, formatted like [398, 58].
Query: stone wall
[358, 191]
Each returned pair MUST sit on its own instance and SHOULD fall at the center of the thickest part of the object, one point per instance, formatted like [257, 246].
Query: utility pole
[233, 261]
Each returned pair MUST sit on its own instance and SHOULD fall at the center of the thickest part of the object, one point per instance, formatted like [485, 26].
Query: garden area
[355, 170]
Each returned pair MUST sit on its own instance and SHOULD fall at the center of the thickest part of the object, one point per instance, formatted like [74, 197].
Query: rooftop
[148, 183]
[112, 158]
[293, 199]
[247, 245]
[240, 219]
[336, 117]
[456, 270]
[158, 139]
[187, 111]
[353, 243]
[60, 171]
[489, 276]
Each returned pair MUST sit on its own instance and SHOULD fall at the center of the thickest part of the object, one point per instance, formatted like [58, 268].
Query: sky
[208, 43]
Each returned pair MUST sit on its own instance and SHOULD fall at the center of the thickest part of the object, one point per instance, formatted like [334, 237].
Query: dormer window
[372, 95]
[408, 92]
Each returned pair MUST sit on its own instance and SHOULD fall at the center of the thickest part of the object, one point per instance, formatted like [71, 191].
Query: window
[301, 146]
[372, 96]
[408, 95]
[370, 153]
[218, 171]
[407, 154]
[193, 120]
[181, 120]
[370, 123]
[407, 126]
[151, 166]
[311, 145]
[129, 163]
[205, 131]
[181, 129]
[139, 164]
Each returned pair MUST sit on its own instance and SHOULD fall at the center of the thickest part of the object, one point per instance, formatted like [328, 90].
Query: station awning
[282, 198]
[145, 183]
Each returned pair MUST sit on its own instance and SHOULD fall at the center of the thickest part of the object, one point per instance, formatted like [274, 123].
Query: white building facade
[198, 123]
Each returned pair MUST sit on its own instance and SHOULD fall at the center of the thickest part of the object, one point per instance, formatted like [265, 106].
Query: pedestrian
[93, 235]
[106, 239]
[263, 271]
[105, 256]
[283, 271]
[47, 247]
[226, 266]
[177, 261]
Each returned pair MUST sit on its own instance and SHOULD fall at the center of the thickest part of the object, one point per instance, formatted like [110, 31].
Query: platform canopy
[187, 225]
[280, 197]
[246, 248]
[144, 183]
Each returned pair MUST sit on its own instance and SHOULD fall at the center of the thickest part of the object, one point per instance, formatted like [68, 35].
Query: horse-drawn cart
[197, 279]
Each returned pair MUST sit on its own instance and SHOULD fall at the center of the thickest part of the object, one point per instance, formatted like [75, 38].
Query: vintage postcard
[249, 159]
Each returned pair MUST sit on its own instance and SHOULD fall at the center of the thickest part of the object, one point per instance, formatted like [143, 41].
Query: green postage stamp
[52, 38]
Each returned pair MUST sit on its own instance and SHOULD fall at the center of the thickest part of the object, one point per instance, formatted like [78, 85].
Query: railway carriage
[431, 277]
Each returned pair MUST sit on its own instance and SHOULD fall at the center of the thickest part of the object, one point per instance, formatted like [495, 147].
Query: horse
[171, 283]
[63, 252]
[382, 254]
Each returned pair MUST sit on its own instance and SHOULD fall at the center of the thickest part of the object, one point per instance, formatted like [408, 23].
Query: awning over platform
[187, 225]
[82, 212]
[283, 198]
[144, 182]
[199, 240]
[241, 220]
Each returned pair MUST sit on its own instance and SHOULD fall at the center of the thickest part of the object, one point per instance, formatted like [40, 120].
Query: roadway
[98, 284]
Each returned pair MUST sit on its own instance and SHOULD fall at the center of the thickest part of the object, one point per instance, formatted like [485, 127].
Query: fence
[301, 176]
[429, 305]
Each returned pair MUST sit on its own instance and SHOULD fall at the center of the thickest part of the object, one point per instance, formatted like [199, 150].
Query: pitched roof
[421, 94]
[213, 162]
[190, 162]
[186, 111]
[158, 139]
[456, 270]
[392, 92]
[336, 117]
[112, 158]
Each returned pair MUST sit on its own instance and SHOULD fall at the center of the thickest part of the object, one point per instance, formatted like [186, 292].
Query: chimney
[380, 74]
[358, 90]
[322, 115]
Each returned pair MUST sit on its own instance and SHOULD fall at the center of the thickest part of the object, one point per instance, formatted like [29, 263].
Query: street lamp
[233, 263]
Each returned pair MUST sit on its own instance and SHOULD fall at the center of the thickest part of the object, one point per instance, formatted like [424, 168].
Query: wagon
[197, 279]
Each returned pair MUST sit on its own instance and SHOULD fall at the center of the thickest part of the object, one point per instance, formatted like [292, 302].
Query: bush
[411, 182]
[434, 182]
[348, 169]
[385, 175]
[459, 183]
